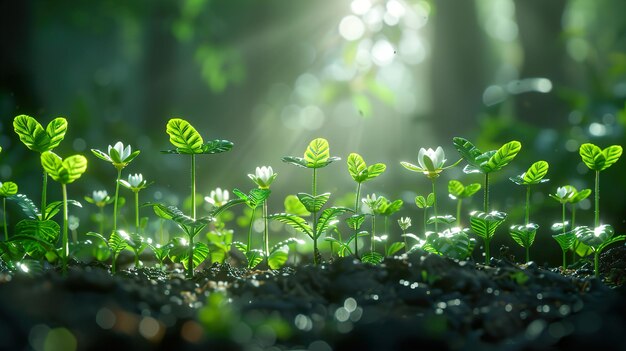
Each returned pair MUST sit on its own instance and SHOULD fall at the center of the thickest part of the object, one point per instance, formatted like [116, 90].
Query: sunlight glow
[351, 28]
[382, 52]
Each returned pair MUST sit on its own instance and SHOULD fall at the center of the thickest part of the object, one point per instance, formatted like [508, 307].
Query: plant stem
[486, 193]
[425, 219]
[487, 255]
[66, 247]
[44, 191]
[193, 187]
[101, 226]
[527, 254]
[137, 211]
[527, 207]
[266, 234]
[596, 263]
[356, 212]
[248, 245]
[597, 200]
[117, 191]
[564, 260]
[4, 218]
[190, 261]
[563, 217]
[574, 226]
[406, 245]
[315, 250]
[373, 241]
[458, 212]
[435, 206]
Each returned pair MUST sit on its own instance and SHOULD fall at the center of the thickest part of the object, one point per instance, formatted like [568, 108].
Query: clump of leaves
[360, 173]
[457, 191]
[524, 235]
[454, 243]
[317, 155]
[484, 223]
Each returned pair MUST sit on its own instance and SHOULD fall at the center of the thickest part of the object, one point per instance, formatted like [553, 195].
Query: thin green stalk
[486, 208]
[564, 260]
[117, 191]
[101, 224]
[136, 258]
[266, 233]
[356, 212]
[44, 191]
[193, 187]
[315, 249]
[248, 245]
[574, 226]
[373, 241]
[458, 212]
[527, 205]
[4, 218]
[137, 211]
[66, 246]
[597, 199]
[190, 261]
[596, 263]
[527, 254]
[563, 217]
[435, 206]
[425, 218]
[406, 245]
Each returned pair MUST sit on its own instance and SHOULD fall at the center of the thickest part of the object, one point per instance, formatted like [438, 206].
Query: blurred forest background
[378, 77]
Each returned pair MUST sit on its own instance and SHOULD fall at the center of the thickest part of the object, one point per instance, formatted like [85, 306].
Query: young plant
[135, 183]
[100, 198]
[65, 172]
[119, 156]
[524, 235]
[6, 189]
[457, 191]
[40, 140]
[425, 203]
[565, 239]
[116, 243]
[360, 173]
[404, 223]
[578, 248]
[454, 243]
[597, 239]
[254, 199]
[263, 177]
[317, 155]
[484, 223]
[431, 164]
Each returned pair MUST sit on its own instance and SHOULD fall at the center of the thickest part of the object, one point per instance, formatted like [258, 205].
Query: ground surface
[423, 302]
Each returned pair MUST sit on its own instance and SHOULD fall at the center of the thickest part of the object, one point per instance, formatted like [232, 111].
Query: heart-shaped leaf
[63, 171]
[32, 134]
[313, 203]
[592, 156]
[565, 240]
[254, 257]
[485, 224]
[46, 231]
[372, 258]
[611, 155]
[502, 157]
[420, 201]
[536, 173]
[524, 235]
[184, 137]
[317, 153]
[375, 170]
[8, 189]
[354, 222]
[278, 258]
[357, 167]
[594, 237]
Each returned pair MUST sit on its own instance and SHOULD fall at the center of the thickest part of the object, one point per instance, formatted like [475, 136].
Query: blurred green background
[378, 77]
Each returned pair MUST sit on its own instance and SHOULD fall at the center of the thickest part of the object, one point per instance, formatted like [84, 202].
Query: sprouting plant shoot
[457, 191]
[425, 203]
[187, 141]
[254, 199]
[6, 189]
[431, 164]
[264, 177]
[119, 156]
[578, 248]
[565, 239]
[524, 235]
[135, 183]
[484, 223]
[65, 172]
[360, 173]
[317, 155]
[38, 139]
[404, 223]
[100, 198]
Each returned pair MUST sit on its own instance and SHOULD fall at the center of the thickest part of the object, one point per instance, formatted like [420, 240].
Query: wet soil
[420, 302]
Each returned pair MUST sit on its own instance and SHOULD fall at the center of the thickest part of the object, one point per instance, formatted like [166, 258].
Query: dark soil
[421, 302]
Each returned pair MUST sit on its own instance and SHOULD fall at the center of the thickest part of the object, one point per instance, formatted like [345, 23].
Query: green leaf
[8, 189]
[297, 161]
[565, 240]
[63, 171]
[430, 200]
[592, 156]
[388, 208]
[395, 247]
[611, 155]
[468, 151]
[294, 206]
[412, 167]
[27, 205]
[611, 241]
[372, 258]
[455, 189]
[470, 190]
[328, 217]
[357, 167]
[294, 221]
[278, 258]
[524, 235]
[32, 134]
[375, 170]
[117, 242]
[536, 173]
[579, 196]
[317, 154]
[485, 224]
[254, 198]
[216, 146]
[420, 201]
[452, 244]
[184, 137]
[445, 219]
[313, 203]
[354, 222]
[594, 237]
[502, 157]
[46, 231]
[254, 257]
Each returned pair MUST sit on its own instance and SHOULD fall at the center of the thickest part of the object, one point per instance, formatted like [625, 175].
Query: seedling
[116, 243]
[100, 198]
[578, 248]
[119, 156]
[254, 199]
[6, 189]
[454, 243]
[135, 183]
[483, 222]
[566, 238]
[264, 177]
[404, 223]
[457, 191]
[317, 155]
[524, 235]
[32, 134]
[65, 172]
[425, 203]
[360, 173]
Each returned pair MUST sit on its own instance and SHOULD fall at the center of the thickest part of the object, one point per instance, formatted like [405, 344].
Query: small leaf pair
[317, 155]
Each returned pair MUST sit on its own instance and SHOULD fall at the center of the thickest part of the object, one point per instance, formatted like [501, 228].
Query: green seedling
[431, 164]
[264, 177]
[360, 173]
[354, 222]
[40, 140]
[6, 189]
[486, 163]
[317, 155]
[597, 239]
[135, 183]
[161, 252]
[425, 203]
[457, 191]
[65, 172]
[578, 248]
[254, 199]
[404, 223]
[374, 203]
[454, 243]
[565, 239]
[119, 156]
[100, 198]
[524, 235]
[116, 243]
[387, 209]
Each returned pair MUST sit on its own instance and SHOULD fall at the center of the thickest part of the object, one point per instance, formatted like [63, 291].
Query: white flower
[100, 196]
[122, 152]
[118, 155]
[263, 176]
[135, 180]
[404, 223]
[431, 160]
[563, 194]
[218, 197]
